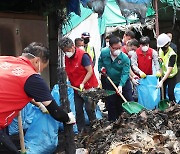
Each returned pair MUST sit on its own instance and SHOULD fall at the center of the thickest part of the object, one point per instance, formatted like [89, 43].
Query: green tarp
[175, 3]
[111, 17]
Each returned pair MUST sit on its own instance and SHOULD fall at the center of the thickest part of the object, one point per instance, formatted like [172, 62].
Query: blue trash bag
[177, 92]
[55, 94]
[27, 114]
[42, 135]
[70, 91]
[148, 93]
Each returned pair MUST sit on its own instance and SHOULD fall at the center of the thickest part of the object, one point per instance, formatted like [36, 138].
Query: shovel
[130, 107]
[163, 104]
[93, 95]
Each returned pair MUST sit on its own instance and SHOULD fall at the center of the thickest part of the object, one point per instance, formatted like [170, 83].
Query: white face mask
[130, 53]
[69, 54]
[145, 48]
[81, 47]
[117, 52]
[107, 44]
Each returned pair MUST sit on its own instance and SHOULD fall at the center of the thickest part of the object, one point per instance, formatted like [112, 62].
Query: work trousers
[79, 104]
[171, 83]
[114, 102]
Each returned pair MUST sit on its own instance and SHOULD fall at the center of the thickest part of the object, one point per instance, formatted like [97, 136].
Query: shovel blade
[132, 107]
[163, 104]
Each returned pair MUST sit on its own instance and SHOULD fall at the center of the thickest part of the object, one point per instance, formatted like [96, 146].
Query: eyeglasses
[115, 48]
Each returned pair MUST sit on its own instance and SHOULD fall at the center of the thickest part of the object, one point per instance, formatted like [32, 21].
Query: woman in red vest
[21, 83]
[144, 59]
[79, 68]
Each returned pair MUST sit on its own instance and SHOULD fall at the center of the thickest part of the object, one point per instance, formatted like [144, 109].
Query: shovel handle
[75, 88]
[115, 87]
[21, 133]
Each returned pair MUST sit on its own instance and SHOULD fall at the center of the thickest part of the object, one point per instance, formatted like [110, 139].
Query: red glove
[103, 70]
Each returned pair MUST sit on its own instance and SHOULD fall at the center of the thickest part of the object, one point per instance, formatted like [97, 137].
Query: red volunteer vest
[76, 72]
[145, 61]
[14, 72]
[123, 49]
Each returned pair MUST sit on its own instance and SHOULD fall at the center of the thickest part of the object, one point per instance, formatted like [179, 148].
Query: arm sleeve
[36, 88]
[100, 62]
[155, 60]
[134, 63]
[125, 73]
[172, 61]
[86, 61]
[57, 112]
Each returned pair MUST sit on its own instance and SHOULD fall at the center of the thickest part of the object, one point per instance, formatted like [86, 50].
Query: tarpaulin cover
[172, 2]
[148, 93]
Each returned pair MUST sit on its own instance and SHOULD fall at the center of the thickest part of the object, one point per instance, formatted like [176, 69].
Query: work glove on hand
[158, 74]
[81, 87]
[43, 108]
[135, 80]
[72, 119]
[119, 89]
[103, 71]
[142, 74]
[159, 85]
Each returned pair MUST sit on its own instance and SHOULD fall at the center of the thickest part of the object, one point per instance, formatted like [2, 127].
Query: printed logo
[119, 62]
[5, 65]
[18, 71]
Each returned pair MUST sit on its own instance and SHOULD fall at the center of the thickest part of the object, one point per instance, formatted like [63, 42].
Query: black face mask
[164, 48]
[86, 40]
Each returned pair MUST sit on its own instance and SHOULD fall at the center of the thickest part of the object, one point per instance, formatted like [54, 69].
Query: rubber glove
[160, 84]
[135, 80]
[81, 87]
[72, 119]
[158, 74]
[142, 74]
[103, 70]
[119, 89]
[43, 108]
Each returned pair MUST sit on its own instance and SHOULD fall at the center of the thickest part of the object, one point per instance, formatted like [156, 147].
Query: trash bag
[27, 114]
[42, 135]
[148, 93]
[55, 94]
[177, 92]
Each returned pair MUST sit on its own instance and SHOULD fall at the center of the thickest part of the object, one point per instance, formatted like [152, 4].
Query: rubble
[147, 132]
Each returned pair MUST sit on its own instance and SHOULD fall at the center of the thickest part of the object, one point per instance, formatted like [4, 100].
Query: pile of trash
[150, 131]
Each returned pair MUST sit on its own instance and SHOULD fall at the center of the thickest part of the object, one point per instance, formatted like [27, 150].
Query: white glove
[72, 119]
[160, 84]
[119, 89]
[135, 80]
[43, 108]
[81, 86]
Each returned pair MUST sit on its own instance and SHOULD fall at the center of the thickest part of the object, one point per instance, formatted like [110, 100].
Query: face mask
[81, 47]
[130, 53]
[164, 48]
[145, 48]
[69, 54]
[107, 44]
[86, 40]
[117, 52]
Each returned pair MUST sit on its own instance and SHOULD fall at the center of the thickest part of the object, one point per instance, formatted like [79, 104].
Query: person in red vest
[144, 59]
[79, 68]
[21, 83]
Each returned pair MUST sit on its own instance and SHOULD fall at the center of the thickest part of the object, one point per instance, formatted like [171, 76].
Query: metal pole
[62, 79]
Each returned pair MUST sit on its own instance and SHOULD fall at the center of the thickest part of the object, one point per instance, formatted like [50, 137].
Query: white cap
[162, 40]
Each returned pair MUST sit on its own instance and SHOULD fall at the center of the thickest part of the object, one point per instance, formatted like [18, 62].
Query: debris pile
[147, 132]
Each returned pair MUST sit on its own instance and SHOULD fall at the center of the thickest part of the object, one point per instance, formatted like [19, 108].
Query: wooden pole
[21, 133]
[156, 18]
